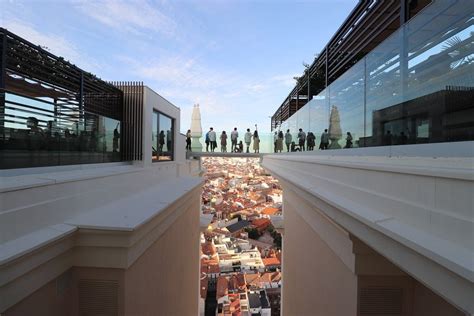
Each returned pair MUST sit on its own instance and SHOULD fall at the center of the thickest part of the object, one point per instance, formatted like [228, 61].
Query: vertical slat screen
[132, 129]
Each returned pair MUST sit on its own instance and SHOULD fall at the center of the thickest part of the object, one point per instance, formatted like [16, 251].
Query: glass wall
[50, 131]
[415, 87]
[53, 113]
[162, 137]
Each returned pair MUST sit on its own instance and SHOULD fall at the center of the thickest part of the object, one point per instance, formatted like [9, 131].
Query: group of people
[304, 141]
[211, 141]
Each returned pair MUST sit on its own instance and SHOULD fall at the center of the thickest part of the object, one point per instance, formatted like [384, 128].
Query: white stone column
[196, 129]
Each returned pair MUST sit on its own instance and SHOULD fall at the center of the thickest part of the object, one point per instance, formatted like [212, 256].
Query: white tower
[196, 129]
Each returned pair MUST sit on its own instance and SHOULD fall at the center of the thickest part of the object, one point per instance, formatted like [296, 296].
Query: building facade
[98, 204]
[386, 230]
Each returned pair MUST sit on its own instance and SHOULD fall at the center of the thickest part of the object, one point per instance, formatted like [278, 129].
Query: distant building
[258, 303]
[237, 228]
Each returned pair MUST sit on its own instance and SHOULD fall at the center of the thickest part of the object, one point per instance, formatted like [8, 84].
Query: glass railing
[415, 87]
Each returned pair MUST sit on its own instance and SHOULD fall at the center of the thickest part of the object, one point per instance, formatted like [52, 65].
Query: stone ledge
[101, 246]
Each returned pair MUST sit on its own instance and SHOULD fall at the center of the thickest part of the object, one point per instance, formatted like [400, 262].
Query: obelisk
[196, 129]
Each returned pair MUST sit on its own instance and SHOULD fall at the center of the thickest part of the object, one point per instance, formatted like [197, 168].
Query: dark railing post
[81, 100]
[403, 49]
[309, 87]
[326, 67]
[3, 73]
[404, 13]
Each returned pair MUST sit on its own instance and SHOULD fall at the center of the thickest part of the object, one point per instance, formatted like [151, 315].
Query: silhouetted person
[188, 140]
[324, 140]
[301, 139]
[348, 140]
[234, 135]
[403, 138]
[115, 141]
[223, 142]
[310, 141]
[161, 142]
[207, 141]
[213, 139]
[387, 139]
[275, 138]
[279, 142]
[248, 139]
[256, 142]
[288, 139]
[240, 147]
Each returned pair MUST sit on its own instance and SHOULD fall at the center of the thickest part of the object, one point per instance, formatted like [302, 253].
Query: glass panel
[346, 118]
[420, 81]
[29, 136]
[319, 115]
[165, 137]
[51, 129]
[112, 140]
[439, 101]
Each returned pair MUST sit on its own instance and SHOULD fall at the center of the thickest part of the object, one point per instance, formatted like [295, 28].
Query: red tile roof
[270, 211]
[261, 223]
[271, 262]
[222, 286]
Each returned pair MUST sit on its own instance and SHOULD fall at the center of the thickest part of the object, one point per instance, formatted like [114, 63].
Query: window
[162, 137]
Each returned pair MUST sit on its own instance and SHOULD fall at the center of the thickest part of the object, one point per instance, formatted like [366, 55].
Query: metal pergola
[33, 71]
[369, 24]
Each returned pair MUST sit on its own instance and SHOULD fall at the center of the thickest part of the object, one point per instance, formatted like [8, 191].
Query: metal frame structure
[132, 124]
[23, 62]
[69, 94]
[369, 24]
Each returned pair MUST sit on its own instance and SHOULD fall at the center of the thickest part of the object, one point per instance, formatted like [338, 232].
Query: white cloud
[131, 15]
[225, 98]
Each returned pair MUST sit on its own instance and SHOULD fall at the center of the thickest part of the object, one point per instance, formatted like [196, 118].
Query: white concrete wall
[98, 217]
[416, 208]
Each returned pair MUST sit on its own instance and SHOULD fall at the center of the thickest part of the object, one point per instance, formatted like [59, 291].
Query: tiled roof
[271, 261]
[270, 211]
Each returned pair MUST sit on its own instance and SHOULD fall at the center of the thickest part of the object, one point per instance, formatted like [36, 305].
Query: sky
[236, 59]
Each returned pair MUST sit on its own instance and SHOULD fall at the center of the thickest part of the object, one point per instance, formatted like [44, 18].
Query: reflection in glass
[47, 132]
[415, 87]
[162, 137]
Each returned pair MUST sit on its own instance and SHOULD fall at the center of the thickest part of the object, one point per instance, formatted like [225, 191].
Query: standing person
[288, 139]
[256, 142]
[115, 142]
[188, 140]
[324, 140]
[349, 140]
[301, 139]
[161, 141]
[234, 135]
[275, 138]
[279, 142]
[207, 142]
[212, 139]
[310, 141]
[223, 142]
[248, 139]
